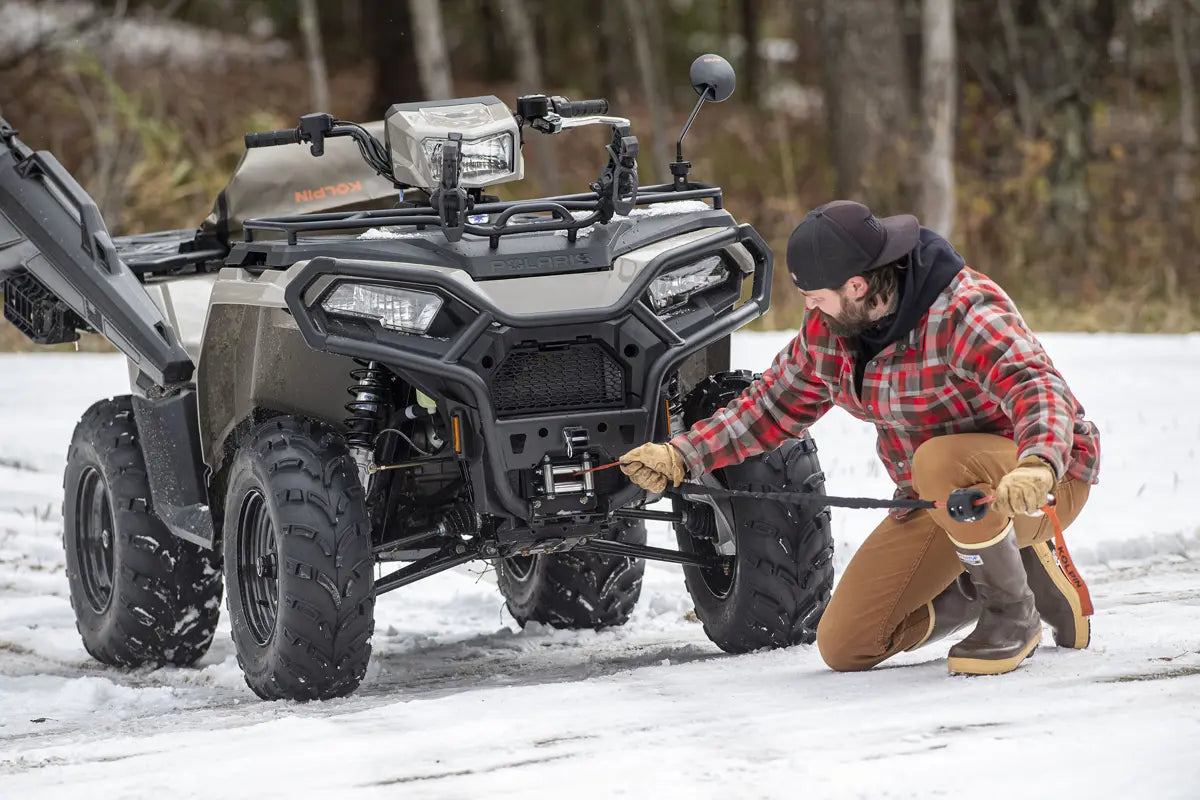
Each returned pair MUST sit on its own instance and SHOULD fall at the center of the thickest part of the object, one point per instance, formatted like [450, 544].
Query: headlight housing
[397, 309]
[483, 160]
[673, 288]
[491, 141]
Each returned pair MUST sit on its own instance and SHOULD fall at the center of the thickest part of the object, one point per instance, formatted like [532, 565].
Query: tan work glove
[1024, 490]
[651, 465]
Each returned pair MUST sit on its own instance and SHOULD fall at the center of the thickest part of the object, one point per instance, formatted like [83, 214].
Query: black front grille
[572, 376]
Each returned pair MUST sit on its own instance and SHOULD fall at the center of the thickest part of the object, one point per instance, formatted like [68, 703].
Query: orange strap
[1067, 565]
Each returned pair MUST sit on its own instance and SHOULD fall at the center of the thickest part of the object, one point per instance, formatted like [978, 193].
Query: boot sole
[1083, 625]
[992, 666]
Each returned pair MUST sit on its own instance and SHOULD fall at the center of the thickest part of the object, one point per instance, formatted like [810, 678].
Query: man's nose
[810, 303]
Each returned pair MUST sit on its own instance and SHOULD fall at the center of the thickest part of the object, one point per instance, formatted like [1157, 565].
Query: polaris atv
[363, 370]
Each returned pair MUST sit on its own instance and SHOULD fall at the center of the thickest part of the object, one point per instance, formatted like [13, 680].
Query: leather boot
[1009, 628]
[1057, 599]
[954, 609]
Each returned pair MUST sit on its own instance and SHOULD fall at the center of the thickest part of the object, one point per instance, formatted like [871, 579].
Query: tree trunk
[939, 90]
[637, 14]
[496, 59]
[608, 53]
[519, 27]
[310, 26]
[866, 100]
[1073, 68]
[388, 28]
[1016, 65]
[751, 63]
[433, 60]
[1189, 141]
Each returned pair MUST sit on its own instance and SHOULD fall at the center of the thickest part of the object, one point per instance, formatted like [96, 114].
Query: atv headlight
[482, 159]
[397, 309]
[675, 287]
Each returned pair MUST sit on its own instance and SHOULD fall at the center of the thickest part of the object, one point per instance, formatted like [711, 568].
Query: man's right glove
[1024, 490]
[651, 466]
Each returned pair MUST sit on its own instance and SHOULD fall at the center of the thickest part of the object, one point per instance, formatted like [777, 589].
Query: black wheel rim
[718, 580]
[520, 568]
[94, 539]
[257, 567]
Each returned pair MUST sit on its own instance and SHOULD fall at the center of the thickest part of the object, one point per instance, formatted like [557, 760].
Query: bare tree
[608, 50]
[387, 25]
[939, 89]
[1188, 138]
[751, 64]
[637, 15]
[1016, 59]
[866, 95]
[433, 60]
[519, 27]
[310, 26]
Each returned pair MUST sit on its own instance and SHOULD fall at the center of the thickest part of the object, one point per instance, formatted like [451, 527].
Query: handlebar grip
[272, 138]
[581, 108]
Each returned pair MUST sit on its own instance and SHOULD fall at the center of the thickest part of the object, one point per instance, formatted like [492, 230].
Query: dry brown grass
[183, 131]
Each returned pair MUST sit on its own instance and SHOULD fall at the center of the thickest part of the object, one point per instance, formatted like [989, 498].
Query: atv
[362, 370]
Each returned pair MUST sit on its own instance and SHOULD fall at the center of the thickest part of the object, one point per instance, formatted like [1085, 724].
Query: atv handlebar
[272, 138]
[579, 108]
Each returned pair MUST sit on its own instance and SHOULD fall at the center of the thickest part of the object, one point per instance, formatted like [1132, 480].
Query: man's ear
[856, 287]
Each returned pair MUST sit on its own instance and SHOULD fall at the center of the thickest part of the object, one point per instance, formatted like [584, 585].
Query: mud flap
[169, 433]
[51, 229]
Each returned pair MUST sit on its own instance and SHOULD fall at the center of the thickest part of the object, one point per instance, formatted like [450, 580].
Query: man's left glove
[651, 466]
[1024, 490]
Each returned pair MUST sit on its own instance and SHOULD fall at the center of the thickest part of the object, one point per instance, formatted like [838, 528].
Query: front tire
[775, 588]
[141, 595]
[576, 589]
[298, 553]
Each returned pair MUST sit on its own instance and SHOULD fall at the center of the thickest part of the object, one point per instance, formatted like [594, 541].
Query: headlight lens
[397, 309]
[675, 287]
[482, 159]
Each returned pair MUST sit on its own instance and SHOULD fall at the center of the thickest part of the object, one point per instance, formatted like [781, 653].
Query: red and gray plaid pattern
[969, 366]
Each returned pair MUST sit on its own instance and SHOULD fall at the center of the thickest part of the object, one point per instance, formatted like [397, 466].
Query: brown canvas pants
[879, 607]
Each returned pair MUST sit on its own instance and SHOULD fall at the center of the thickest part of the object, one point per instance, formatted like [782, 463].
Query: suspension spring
[366, 409]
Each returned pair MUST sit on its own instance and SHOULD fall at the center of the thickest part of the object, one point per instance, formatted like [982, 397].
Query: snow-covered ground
[461, 703]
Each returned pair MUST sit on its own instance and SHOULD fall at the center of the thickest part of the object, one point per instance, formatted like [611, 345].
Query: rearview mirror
[712, 77]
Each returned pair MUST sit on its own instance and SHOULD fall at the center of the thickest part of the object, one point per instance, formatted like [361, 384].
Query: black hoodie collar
[932, 264]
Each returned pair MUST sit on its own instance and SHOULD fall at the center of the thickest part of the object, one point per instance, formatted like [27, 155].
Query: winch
[552, 483]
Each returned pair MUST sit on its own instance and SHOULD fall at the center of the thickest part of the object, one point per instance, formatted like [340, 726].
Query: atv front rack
[505, 224]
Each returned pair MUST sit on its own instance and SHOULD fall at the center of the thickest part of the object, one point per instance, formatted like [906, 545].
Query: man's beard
[854, 319]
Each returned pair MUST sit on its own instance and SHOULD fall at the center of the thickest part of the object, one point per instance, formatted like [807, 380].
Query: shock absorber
[366, 410]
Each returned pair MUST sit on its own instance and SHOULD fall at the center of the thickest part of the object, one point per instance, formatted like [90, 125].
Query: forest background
[1053, 141]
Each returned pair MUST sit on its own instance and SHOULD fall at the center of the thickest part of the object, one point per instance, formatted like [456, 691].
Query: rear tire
[298, 554]
[781, 578]
[575, 589]
[141, 595]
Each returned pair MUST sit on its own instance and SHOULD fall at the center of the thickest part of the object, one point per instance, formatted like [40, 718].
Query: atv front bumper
[533, 398]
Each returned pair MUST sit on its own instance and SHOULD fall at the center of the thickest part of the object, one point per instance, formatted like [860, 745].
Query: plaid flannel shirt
[970, 365]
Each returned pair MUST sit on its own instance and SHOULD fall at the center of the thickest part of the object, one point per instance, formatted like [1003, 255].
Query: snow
[459, 702]
[667, 208]
[387, 233]
[142, 39]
